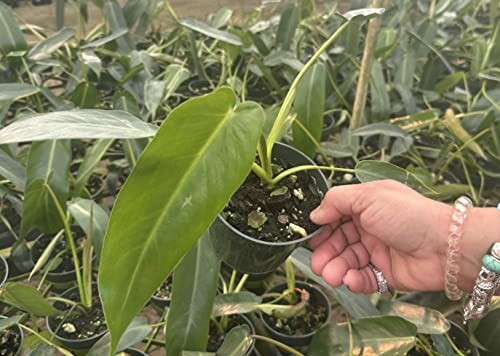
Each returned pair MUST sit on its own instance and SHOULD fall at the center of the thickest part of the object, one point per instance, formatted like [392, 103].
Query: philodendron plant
[200, 156]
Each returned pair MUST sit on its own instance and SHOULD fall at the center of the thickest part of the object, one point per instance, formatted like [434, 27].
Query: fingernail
[314, 214]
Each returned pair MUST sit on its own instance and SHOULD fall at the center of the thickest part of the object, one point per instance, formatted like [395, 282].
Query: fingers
[338, 202]
[361, 281]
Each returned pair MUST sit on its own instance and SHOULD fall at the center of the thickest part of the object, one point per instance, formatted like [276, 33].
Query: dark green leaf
[16, 91]
[193, 293]
[85, 96]
[220, 147]
[310, 105]
[386, 335]
[45, 48]
[207, 30]
[113, 14]
[90, 161]
[357, 305]
[11, 38]
[6, 323]
[380, 128]
[236, 342]
[106, 39]
[380, 101]
[27, 299]
[288, 25]
[76, 124]
[487, 332]
[12, 170]
[235, 303]
[449, 82]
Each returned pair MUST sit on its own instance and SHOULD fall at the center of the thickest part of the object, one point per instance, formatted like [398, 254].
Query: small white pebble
[69, 328]
[299, 194]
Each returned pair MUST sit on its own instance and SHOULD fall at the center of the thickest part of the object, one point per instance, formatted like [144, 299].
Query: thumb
[339, 201]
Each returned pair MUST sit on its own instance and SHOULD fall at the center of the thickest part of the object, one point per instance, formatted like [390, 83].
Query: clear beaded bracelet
[458, 218]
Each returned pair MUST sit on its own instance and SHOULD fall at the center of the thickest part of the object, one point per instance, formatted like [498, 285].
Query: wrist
[481, 230]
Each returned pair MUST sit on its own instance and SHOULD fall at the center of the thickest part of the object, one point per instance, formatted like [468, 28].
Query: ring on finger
[382, 284]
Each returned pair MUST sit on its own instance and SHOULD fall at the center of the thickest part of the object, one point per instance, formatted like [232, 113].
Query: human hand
[401, 232]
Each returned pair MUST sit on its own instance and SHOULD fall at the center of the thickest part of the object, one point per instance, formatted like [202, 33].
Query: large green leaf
[82, 210]
[48, 165]
[287, 27]
[174, 193]
[235, 303]
[12, 170]
[427, 321]
[207, 30]
[236, 342]
[27, 298]
[76, 124]
[193, 293]
[16, 91]
[367, 171]
[357, 305]
[487, 331]
[386, 335]
[44, 49]
[11, 38]
[379, 96]
[310, 105]
[138, 330]
[85, 95]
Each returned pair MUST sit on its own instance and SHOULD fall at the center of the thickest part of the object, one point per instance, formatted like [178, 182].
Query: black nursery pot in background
[317, 297]
[16, 335]
[249, 255]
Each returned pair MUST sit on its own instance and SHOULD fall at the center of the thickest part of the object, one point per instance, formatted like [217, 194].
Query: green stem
[261, 173]
[231, 281]
[242, 282]
[294, 170]
[44, 340]
[71, 242]
[278, 344]
[454, 347]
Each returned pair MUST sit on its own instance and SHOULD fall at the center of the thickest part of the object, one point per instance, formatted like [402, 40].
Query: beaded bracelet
[487, 283]
[458, 217]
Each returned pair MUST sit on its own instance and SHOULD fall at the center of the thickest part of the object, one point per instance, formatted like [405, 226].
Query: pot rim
[74, 342]
[312, 333]
[6, 266]
[20, 332]
[282, 243]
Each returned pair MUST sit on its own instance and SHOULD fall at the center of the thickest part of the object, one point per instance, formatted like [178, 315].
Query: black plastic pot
[135, 352]
[83, 344]
[160, 303]
[248, 255]
[17, 329]
[4, 271]
[328, 125]
[302, 340]
[249, 323]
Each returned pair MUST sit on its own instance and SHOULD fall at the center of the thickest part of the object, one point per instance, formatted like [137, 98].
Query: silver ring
[381, 281]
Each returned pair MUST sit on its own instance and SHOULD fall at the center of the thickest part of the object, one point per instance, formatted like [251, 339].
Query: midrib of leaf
[174, 81]
[95, 222]
[51, 160]
[7, 29]
[85, 92]
[173, 196]
[309, 92]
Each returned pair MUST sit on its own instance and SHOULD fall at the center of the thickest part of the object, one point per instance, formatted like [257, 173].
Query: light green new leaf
[237, 342]
[44, 49]
[92, 158]
[193, 293]
[48, 164]
[175, 75]
[449, 82]
[386, 335]
[80, 210]
[11, 38]
[207, 30]
[203, 142]
[427, 320]
[365, 12]
[235, 303]
[357, 305]
[12, 170]
[27, 298]
[310, 105]
[6, 323]
[287, 27]
[367, 171]
[76, 124]
[16, 91]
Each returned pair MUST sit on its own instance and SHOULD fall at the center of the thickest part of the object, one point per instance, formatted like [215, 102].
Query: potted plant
[11, 338]
[163, 295]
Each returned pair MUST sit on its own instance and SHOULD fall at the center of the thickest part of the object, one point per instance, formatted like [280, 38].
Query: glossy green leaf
[12, 170]
[48, 165]
[45, 48]
[367, 171]
[115, 20]
[76, 124]
[487, 330]
[6, 323]
[220, 18]
[85, 95]
[154, 92]
[138, 330]
[365, 12]
[16, 91]
[357, 305]
[449, 82]
[386, 335]
[126, 102]
[310, 106]
[46, 254]
[175, 75]
[81, 209]
[289, 22]
[406, 69]
[427, 321]
[235, 303]
[237, 342]
[207, 30]
[193, 293]
[208, 138]
[379, 96]
[91, 60]
[27, 298]
[11, 38]
[380, 128]
[90, 161]
[107, 39]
